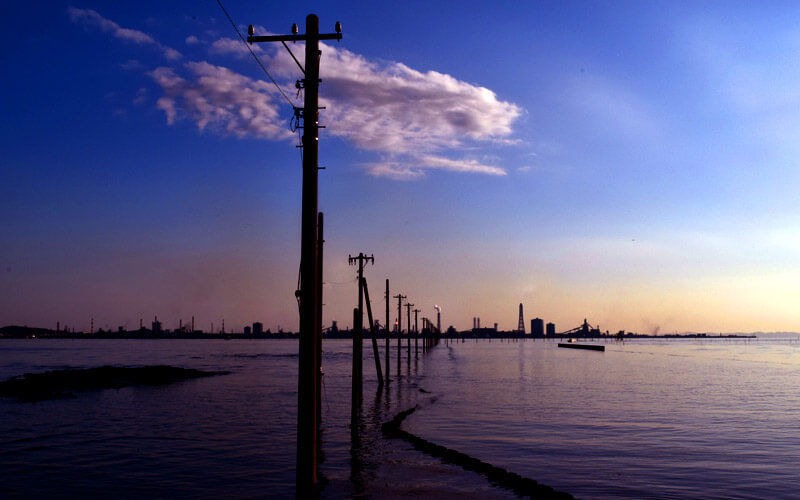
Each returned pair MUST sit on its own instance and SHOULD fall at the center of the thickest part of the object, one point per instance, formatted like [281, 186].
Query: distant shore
[24, 332]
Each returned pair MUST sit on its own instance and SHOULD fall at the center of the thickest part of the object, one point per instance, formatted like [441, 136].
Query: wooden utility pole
[318, 335]
[416, 332]
[399, 298]
[358, 328]
[308, 295]
[387, 330]
[408, 322]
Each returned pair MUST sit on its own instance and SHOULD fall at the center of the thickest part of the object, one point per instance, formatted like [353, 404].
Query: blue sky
[634, 163]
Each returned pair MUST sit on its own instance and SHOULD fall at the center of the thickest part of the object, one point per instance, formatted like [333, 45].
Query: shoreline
[24, 332]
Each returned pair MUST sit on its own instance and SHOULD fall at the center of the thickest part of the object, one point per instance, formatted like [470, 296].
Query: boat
[590, 347]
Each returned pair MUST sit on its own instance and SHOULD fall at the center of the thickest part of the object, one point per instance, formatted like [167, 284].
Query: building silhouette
[537, 327]
[258, 328]
[551, 330]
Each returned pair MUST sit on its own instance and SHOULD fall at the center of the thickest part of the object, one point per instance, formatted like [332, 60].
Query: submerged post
[355, 396]
[308, 295]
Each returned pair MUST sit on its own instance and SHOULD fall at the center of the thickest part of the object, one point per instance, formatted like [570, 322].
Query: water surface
[678, 418]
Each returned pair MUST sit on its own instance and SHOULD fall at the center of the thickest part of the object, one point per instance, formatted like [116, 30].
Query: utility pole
[408, 342]
[387, 296]
[416, 332]
[358, 328]
[318, 334]
[399, 298]
[308, 295]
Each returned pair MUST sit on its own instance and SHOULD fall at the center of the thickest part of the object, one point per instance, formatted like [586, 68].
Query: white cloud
[394, 108]
[220, 100]
[412, 119]
[410, 167]
[91, 19]
[192, 40]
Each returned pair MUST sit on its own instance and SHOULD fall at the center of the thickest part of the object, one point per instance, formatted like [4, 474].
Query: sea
[655, 418]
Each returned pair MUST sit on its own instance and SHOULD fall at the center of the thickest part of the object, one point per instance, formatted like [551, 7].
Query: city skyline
[634, 164]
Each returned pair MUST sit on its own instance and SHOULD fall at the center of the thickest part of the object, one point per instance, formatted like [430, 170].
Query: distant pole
[408, 322]
[358, 343]
[416, 332]
[399, 298]
[306, 473]
[387, 329]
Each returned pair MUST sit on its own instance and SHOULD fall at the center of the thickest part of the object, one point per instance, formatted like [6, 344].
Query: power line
[258, 61]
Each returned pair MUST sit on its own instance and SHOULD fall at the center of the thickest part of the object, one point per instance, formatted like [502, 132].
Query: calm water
[712, 418]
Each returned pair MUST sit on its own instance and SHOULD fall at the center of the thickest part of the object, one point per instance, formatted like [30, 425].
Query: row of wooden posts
[430, 335]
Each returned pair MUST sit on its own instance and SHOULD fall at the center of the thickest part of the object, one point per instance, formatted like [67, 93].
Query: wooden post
[375, 352]
[308, 295]
[306, 474]
[387, 330]
[355, 395]
[318, 331]
[399, 298]
[408, 341]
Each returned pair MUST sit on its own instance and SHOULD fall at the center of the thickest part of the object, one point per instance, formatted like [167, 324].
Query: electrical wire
[258, 61]
[341, 282]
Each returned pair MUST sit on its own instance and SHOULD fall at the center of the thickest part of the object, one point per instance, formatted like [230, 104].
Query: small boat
[590, 347]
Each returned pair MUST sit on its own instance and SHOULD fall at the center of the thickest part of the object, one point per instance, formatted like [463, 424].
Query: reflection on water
[645, 418]
[699, 418]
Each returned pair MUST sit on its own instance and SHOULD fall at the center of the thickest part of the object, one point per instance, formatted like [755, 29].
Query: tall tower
[521, 324]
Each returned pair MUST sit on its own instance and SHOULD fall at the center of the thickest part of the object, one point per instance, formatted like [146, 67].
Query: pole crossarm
[360, 259]
[292, 38]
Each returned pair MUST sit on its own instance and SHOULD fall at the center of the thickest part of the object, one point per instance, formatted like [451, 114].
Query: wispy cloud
[410, 167]
[395, 110]
[614, 107]
[414, 120]
[91, 19]
[220, 100]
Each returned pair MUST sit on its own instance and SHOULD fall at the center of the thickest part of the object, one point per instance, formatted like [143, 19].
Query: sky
[631, 163]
